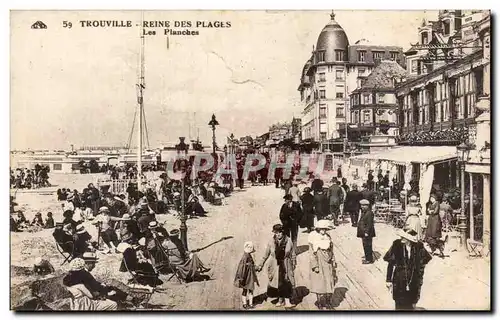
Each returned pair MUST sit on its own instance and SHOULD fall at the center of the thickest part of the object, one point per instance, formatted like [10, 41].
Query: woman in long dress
[413, 218]
[433, 231]
[323, 265]
[280, 270]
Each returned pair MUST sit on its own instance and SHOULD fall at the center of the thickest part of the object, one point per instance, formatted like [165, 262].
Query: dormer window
[320, 56]
[425, 37]
[339, 55]
[446, 27]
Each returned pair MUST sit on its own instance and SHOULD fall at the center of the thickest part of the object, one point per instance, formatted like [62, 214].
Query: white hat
[103, 209]
[126, 216]
[413, 198]
[77, 264]
[80, 229]
[248, 247]
[323, 224]
[142, 241]
[122, 247]
[406, 235]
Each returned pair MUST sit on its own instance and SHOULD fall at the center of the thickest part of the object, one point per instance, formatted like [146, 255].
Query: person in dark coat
[368, 194]
[434, 225]
[317, 184]
[366, 230]
[288, 217]
[135, 262]
[335, 197]
[246, 276]
[352, 205]
[406, 259]
[49, 222]
[307, 200]
[321, 204]
[370, 184]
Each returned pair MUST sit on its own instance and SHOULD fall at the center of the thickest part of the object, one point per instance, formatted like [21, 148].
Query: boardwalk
[249, 216]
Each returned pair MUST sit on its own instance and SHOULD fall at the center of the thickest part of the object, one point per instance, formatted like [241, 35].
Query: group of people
[24, 178]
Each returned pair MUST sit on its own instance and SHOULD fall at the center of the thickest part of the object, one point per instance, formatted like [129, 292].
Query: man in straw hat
[366, 230]
[407, 259]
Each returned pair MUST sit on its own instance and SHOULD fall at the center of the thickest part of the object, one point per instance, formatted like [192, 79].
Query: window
[356, 116]
[446, 27]
[330, 68]
[57, 166]
[322, 77]
[361, 56]
[340, 111]
[323, 135]
[367, 116]
[378, 55]
[425, 38]
[394, 56]
[339, 95]
[320, 55]
[361, 72]
[381, 98]
[414, 66]
[366, 99]
[322, 94]
[322, 112]
[339, 74]
[339, 55]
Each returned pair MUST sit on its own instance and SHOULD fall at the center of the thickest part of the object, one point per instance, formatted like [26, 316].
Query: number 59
[67, 24]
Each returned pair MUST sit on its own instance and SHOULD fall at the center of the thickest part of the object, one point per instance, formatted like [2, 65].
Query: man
[321, 204]
[108, 234]
[352, 204]
[317, 184]
[335, 196]
[367, 194]
[366, 230]
[289, 218]
[188, 266]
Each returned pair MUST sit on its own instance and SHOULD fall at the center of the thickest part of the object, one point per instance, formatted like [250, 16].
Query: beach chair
[141, 294]
[67, 250]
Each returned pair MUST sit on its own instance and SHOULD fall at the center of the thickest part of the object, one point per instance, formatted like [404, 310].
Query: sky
[77, 86]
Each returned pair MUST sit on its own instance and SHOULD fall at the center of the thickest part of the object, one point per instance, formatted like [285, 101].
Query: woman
[323, 265]
[307, 200]
[445, 213]
[280, 268]
[433, 231]
[137, 264]
[413, 221]
[405, 272]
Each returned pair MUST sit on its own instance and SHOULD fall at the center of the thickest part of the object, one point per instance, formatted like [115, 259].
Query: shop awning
[415, 154]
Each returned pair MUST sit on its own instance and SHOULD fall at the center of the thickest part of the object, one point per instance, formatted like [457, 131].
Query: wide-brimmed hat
[323, 224]
[103, 209]
[364, 202]
[153, 224]
[122, 247]
[248, 247]
[174, 232]
[80, 229]
[89, 257]
[126, 216]
[278, 228]
[407, 235]
[77, 264]
[413, 198]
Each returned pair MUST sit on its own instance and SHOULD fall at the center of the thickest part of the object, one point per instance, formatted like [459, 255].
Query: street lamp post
[182, 148]
[213, 123]
[462, 155]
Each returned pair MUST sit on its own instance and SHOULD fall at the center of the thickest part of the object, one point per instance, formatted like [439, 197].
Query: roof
[404, 155]
[382, 76]
[332, 38]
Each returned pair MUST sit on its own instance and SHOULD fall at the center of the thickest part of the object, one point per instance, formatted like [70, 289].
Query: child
[246, 276]
[49, 223]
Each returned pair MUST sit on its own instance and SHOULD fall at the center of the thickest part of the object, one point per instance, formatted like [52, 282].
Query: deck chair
[67, 250]
[166, 265]
[475, 248]
[140, 294]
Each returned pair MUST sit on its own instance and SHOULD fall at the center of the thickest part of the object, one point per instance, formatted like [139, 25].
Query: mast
[140, 99]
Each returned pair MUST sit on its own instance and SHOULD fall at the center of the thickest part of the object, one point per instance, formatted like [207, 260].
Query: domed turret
[331, 38]
[305, 78]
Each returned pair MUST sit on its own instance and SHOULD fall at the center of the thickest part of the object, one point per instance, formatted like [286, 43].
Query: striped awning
[415, 154]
